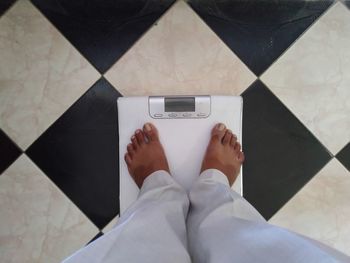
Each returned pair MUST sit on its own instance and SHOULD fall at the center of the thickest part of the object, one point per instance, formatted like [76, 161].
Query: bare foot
[145, 156]
[223, 153]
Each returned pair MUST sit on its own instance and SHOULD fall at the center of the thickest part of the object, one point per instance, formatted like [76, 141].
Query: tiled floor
[58, 118]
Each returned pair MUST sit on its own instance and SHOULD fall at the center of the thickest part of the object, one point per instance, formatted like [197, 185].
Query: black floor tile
[347, 3]
[102, 30]
[344, 156]
[281, 154]
[4, 5]
[79, 153]
[99, 234]
[9, 151]
[259, 31]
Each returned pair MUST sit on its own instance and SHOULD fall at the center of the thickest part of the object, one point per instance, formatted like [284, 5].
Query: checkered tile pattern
[63, 64]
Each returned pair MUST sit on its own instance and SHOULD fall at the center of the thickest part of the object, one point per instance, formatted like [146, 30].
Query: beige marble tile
[38, 223]
[180, 56]
[321, 209]
[41, 74]
[312, 78]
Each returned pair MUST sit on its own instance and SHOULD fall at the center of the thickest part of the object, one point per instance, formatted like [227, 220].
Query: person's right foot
[223, 153]
[145, 157]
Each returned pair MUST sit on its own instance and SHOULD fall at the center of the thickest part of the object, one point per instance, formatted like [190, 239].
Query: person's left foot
[145, 157]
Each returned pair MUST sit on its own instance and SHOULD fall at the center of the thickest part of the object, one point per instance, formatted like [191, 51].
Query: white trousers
[211, 223]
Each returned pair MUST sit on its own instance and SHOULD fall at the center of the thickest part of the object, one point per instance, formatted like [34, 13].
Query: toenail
[148, 127]
[229, 131]
[138, 131]
[132, 137]
[234, 135]
[221, 127]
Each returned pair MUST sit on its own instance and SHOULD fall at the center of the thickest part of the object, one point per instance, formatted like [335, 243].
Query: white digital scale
[184, 124]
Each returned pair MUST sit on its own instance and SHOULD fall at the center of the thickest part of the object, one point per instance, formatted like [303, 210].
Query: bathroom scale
[184, 124]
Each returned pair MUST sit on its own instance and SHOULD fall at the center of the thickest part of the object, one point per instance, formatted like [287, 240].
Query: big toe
[218, 132]
[151, 132]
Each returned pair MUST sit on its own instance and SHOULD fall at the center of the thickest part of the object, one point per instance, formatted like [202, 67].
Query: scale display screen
[179, 104]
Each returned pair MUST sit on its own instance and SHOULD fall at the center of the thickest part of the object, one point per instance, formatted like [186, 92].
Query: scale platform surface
[184, 124]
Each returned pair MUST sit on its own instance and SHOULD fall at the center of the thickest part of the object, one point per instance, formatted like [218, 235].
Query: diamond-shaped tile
[9, 151]
[180, 55]
[281, 154]
[79, 152]
[344, 156]
[312, 78]
[321, 208]
[4, 5]
[102, 30]
[41, 74]
[259, 31]
[38, 222]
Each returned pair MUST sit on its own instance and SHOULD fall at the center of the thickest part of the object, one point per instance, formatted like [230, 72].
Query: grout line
[8, 9]
[292, 112]
[62, 35]
[343, 3]
[166, 11]
[300, 36]
[71, 202]
[301, 188]
[220, 39]
[19, 156]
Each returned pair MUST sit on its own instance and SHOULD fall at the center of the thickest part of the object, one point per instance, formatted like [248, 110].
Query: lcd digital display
[180, 104]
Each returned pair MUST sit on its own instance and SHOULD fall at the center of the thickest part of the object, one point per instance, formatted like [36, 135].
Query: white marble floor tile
[321, 209]
[312, 78]
[38, 222]
[41, 74]
[180, 56]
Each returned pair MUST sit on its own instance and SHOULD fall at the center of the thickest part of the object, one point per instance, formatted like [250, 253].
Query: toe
[233, 140]
[127, 159]
[150, 131]
[227, 137]
[241, 157]
[135, 144]
[237, 147]
[218, 132]
[130, 149]
[140, 137]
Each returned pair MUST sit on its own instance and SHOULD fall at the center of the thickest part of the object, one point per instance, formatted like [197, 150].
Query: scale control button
[172, 115]
[187, 114]
[158, 115]
[201, 114]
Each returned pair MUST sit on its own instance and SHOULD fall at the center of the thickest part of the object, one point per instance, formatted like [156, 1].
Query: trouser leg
[153, 229]
[223, 227]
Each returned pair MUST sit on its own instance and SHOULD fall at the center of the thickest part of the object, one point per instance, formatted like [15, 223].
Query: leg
[153, 229]
[224, 227]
